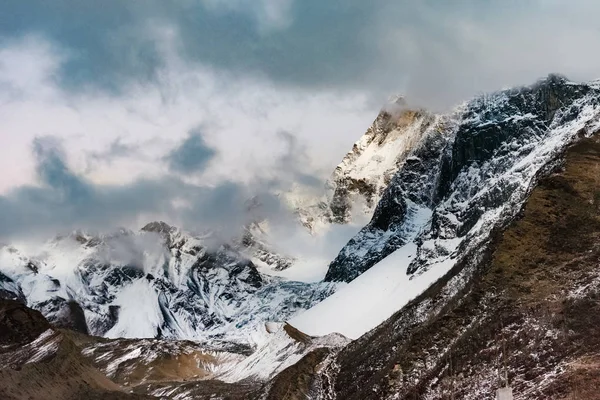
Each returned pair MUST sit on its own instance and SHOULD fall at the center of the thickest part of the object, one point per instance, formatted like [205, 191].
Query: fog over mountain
[299, 199]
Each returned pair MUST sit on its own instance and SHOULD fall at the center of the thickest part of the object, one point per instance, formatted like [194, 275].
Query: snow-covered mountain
[162, 282]
[412, 287]
[166, 283]
[470, 173]
[159, 282]
[500, 283]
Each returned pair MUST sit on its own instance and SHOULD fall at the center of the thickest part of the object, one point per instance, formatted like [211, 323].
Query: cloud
[106, 91]
[95, 160]
[64, 201]
[107, 134]
[53, 173]
[435, 53]
[191, 156]
[448, 52]
[116, 149]
[271, 15]
[292, 164]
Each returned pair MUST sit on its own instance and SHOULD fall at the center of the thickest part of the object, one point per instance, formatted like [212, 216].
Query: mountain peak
[158, 227]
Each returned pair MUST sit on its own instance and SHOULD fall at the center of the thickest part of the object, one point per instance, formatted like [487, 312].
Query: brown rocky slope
[531, 310]
[39, 362]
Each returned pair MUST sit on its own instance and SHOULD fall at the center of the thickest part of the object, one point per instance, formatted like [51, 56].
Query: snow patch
[139, 313]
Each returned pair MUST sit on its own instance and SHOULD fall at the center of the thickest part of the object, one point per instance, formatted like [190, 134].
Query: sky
[117, 112]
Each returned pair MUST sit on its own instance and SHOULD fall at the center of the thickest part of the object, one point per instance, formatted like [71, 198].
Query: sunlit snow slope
[357, 183]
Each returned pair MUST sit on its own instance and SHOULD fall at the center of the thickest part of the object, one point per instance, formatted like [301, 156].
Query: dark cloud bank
[192, 155]
[437, 53]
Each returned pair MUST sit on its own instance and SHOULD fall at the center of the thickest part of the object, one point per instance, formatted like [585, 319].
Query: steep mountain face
[156, 283]
[499, 235]
[469, 173]
[358, 182]
[368, 168]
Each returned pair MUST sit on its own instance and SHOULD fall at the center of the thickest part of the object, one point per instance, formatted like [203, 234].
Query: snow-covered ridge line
[278, 353]
[159, 282]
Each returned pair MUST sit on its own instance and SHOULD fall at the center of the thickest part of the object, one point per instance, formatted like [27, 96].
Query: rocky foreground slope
[530, 304]
[480, 261]
[39, 362]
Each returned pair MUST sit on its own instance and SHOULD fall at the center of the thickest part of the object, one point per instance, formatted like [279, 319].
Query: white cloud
[448, 54]
[241, 118]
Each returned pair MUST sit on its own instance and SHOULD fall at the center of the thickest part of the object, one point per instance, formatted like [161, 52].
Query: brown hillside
[532, 305]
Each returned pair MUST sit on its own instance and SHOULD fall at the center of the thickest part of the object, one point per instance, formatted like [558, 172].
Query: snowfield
[371, 298]
[375, 295]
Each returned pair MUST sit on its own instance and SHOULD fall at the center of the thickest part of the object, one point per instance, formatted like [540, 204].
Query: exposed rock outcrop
[39, 363]
[472, 172]
[358, 182]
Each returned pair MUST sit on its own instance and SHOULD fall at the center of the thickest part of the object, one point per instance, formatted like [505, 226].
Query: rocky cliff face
[364, 173]
[528, 309]
[471, 172]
